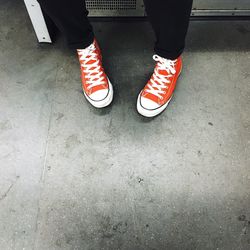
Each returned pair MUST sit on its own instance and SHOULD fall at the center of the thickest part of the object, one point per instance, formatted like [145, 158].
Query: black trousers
[169, 19]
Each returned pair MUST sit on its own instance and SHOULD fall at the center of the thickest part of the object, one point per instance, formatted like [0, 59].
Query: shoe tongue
[90, 61]
[164, 72]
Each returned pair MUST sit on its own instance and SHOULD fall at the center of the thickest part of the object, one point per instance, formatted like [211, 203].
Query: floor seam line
[42, 177]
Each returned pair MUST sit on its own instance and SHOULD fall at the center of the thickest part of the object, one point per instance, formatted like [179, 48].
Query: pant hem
[82, 44]
[167, 54]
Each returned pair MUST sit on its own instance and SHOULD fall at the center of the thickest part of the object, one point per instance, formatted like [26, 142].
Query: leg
[170, 19]
[71, 18]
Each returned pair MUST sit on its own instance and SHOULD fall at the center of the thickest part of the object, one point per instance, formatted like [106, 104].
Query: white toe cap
[99, 95]
[148, 104]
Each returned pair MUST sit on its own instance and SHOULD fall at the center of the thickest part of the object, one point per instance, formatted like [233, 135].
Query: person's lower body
[169, 19]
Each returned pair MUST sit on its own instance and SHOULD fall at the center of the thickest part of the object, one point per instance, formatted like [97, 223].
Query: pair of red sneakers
[152, 100]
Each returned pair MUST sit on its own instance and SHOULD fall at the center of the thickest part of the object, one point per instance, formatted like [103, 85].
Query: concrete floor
[73, 177]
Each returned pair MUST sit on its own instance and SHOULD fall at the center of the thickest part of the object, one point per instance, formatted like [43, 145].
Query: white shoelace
[92, 70]
[159, 81]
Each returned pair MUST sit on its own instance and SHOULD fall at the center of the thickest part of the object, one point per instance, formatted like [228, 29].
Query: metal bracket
[38, 21]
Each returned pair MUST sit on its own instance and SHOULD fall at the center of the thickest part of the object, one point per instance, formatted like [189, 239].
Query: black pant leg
[170, 19]
[71, 18]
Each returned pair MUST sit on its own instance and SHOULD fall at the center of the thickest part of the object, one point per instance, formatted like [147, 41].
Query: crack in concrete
[2, 197]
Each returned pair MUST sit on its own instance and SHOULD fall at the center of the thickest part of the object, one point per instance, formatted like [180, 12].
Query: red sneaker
[95, 84]
[157, 93]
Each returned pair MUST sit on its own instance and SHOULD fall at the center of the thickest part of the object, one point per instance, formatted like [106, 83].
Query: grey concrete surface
[72, 177]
